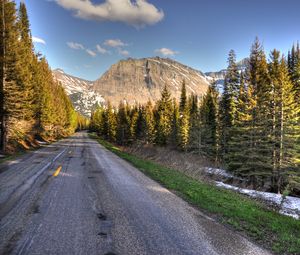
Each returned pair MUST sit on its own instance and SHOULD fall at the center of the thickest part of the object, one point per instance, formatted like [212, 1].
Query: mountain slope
[80, 91]
[219, 76]
[140, 80]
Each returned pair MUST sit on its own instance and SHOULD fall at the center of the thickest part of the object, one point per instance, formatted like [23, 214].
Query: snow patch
[219, 172]
[288, 205]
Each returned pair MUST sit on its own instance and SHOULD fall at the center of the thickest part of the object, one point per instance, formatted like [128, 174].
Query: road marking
[56, 173]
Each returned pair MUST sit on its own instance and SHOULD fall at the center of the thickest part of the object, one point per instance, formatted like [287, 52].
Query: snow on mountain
[80, 91]
[219, 76]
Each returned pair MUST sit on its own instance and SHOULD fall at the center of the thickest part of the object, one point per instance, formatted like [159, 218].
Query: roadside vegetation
[277, 232]
[33, 106]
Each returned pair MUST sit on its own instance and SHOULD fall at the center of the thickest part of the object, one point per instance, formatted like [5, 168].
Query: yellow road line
[56, 173]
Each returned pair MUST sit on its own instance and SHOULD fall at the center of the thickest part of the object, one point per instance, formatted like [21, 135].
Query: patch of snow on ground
[288, 205]
[218, 171]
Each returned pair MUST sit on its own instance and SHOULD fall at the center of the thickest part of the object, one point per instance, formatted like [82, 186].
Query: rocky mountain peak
[140, 80]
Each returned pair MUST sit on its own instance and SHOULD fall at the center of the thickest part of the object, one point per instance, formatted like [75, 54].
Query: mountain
[133, 81]
[81, 92]
[140, 80]
[219, 76]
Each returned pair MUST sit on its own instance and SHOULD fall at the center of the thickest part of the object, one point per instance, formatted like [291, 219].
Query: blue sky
[198, 33]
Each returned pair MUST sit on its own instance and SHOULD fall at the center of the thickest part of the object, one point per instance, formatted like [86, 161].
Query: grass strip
[275, 231]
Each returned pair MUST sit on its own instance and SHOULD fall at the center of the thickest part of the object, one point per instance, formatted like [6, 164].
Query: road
[75, 197]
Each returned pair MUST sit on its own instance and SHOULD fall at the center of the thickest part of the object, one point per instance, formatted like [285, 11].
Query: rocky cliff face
[140, 80]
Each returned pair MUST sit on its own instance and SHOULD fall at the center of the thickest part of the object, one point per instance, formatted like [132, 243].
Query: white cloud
[101, 50]
[38, 40]
[114, 43]
[137, 13]
[166, 52]
[124, 53]
[91, 53]
[75, 46]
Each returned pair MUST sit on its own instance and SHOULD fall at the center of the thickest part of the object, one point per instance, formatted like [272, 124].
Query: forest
[251, 128]
[32, 104]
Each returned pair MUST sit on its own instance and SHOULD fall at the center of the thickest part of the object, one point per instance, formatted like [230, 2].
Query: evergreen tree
[259, 164]
[239, 142]
[11, 94]
[134, 116]
[150, 123]
[184, 121]
[123, 125]
[24, 69]
[183, 98]
[209, 118]
[111, 123]
[285, 130]
[164, 117]
[174, 140]
[228, 102]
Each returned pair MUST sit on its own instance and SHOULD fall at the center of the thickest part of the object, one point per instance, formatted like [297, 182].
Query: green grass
[275, 231]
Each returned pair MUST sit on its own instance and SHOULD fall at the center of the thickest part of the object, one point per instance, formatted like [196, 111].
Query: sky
[85, 37]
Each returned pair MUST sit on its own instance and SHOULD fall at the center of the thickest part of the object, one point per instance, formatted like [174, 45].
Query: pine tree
[209, 118]
[239, 142]
[285, 130]
[184, 121]
[24, 70]
[183, 98]
[111, 121]
[150, 123]
[11, 94]
[228, 102]
[174, 139]
[164, 117]
[259, 163]
[123, 125]
[134, 116]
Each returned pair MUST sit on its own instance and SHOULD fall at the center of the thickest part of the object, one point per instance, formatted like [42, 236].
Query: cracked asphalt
[97, 203]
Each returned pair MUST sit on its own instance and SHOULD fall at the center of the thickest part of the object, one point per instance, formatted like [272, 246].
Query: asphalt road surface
[75, 197]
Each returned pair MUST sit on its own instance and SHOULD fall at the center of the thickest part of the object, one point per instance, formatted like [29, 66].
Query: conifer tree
[134, 116]
[184, 121]
[209, 118]
[123, 125]
[239, 143]
[111, 123]
[150, 123]
[259, 163]
[174, 140]
[11, 94]
[164, 117]
[228, 102]
[141, 123]
[284, 119]
[24, 69]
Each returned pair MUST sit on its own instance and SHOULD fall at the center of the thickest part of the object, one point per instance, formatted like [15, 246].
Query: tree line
[32, 103]
[252, 127]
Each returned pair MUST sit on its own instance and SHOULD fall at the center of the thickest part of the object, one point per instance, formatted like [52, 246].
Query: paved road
[99, 204]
